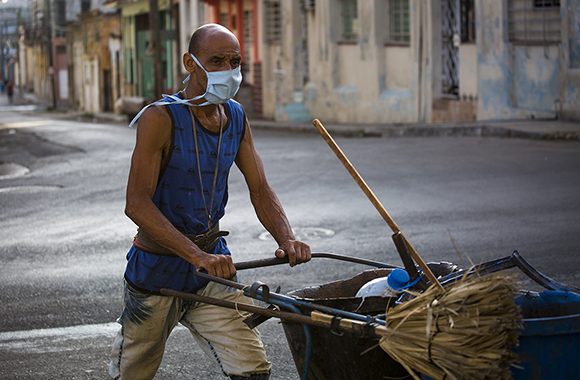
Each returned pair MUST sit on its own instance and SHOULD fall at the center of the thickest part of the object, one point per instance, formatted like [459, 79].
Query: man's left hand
[296, 251]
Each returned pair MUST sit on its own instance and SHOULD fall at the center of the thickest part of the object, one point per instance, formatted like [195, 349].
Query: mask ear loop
[188, 77]
[175, 99]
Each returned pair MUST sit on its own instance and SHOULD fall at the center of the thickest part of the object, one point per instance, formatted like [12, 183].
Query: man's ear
[188, 63]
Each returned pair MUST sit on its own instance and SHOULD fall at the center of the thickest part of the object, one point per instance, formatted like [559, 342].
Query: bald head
[205, 33]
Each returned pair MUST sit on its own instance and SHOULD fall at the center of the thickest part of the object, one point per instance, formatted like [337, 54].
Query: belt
[205, 241]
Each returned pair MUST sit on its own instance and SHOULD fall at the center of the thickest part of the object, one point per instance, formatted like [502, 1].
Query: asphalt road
[63, 234]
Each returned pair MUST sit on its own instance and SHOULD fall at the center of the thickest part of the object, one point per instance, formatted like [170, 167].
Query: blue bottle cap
[398, 279]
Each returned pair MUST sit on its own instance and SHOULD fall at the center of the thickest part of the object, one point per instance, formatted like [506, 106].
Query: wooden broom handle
[373, 198]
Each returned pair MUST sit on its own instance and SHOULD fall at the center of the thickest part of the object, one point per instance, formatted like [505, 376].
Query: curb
[475, 130]
[489, 129]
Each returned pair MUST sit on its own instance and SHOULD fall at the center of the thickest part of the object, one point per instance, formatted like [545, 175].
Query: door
[450, 40]
[107, 91]
[145, 65]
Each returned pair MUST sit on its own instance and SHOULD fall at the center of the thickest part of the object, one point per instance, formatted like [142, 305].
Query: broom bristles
[466, 332]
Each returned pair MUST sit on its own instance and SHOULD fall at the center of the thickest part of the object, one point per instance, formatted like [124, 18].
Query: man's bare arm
[153, 136]
[267, 205]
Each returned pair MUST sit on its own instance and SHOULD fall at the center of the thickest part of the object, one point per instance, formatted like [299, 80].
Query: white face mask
[221, 87]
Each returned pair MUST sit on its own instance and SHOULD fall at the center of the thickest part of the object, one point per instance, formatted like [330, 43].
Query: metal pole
[48, 19]
[155, 47]
[2, 53]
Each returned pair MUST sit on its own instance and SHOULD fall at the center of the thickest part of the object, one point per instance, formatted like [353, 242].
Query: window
[273, 21]
[349, 25]
[467, 21]
[398, 22]
[534, 22]
[247, 34]
[59, 14]
[546, 3]
[309, 5]
[85, 6]
[224, 19]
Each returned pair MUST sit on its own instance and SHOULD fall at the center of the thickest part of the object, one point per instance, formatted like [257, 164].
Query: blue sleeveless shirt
[178, 196]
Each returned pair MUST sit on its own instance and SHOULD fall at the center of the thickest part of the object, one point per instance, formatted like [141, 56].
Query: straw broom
[464, 331]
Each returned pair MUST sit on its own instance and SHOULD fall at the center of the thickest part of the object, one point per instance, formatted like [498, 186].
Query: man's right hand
[217, 265]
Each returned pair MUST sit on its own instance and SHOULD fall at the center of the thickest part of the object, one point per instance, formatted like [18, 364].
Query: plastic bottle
[389, 286]
[397, 281]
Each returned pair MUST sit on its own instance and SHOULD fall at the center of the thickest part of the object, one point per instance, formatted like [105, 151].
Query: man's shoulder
[156, 115]
[155, 126]
[235, 104]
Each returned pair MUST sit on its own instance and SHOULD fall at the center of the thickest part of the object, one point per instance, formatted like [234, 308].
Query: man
[176, 194]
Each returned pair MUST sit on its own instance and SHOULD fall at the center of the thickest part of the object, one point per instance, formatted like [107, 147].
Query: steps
[295, 112]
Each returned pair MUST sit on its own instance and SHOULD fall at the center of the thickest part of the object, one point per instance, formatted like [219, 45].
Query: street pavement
[63, 234]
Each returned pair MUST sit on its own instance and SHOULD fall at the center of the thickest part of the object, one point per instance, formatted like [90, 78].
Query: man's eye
[236, 62]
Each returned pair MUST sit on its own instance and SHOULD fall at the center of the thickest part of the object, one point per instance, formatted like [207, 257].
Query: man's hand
[217, 265]
[296, 251]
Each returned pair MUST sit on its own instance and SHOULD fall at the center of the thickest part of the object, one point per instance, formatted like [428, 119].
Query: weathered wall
[524, 81]
[468, 70]
[76, 53]
[277, 67]
[60, 64]
[365, 82]
[570, 63]
[40, 78]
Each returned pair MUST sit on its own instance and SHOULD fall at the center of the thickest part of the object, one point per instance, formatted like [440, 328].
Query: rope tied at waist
[205, 241]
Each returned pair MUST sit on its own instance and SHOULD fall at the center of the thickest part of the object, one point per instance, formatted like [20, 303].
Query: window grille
[467, 20]
[534, 22]
[399, 22]
[224, 19]
[273, 22]
[85, 6]
[546, 3]
[59, 18]
[247, 34]
[348, 21]
[309, 5]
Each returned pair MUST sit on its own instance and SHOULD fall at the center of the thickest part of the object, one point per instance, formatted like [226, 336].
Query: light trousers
[148, 319]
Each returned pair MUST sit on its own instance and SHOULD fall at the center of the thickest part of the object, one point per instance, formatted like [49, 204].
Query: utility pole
[155, 47]
[2, 75]
[48, 20]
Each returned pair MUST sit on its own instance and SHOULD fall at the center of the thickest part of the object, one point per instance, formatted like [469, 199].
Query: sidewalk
[530, 129]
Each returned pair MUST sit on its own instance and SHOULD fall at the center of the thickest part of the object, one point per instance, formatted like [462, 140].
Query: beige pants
[147, 321]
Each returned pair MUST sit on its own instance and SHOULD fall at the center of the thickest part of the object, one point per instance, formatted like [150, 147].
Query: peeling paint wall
[366, 82]
[468, 70]
[361, 82]
[278, 66]
[570, 63]
[517, 81]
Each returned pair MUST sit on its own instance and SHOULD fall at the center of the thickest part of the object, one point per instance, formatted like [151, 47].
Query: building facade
[409, 61]
[244, 18]
[137, 54]
[349, 61]
[94, 52]
[529, 59]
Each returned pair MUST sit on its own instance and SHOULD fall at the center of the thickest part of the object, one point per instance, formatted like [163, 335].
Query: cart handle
[325, 255]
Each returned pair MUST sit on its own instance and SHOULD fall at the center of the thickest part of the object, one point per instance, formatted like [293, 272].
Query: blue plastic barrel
[549, 346]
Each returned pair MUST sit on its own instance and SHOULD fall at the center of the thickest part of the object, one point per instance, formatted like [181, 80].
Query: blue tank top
[178, 196]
